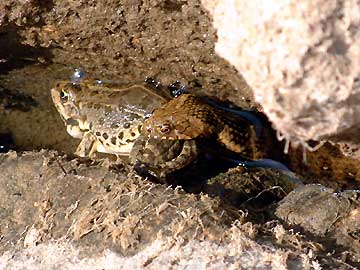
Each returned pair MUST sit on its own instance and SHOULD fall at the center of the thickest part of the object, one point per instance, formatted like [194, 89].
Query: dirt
[47, 196]
[327, 166]
[64, 197]
[90, 209]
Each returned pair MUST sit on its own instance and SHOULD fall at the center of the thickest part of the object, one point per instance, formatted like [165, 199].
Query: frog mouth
[71, 122]
[73, 128]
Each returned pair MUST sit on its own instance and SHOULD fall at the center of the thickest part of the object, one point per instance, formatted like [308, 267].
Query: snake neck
[239, 136]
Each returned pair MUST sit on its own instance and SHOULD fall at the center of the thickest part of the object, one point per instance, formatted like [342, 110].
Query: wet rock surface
[73, 212]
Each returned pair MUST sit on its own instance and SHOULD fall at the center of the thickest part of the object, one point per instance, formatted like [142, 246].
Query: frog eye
[64, 96]
[165, 128]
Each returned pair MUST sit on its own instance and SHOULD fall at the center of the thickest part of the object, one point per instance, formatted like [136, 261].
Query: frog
[106, 116]
[192, 117]
[129, 121]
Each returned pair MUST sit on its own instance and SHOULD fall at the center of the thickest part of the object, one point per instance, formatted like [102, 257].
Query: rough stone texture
[69, 213]
[49, 196]
[300, 58]
[321, 211]
[171, 253]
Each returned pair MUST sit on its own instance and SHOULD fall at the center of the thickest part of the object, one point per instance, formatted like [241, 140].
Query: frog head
[64, 96]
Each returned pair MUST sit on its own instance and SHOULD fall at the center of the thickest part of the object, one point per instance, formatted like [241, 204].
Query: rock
[254, 188]
[324, 212]
[301, 60]
[74, 214]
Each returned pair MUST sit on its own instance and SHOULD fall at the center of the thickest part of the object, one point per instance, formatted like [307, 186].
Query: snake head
[185, 117]
[160, 129]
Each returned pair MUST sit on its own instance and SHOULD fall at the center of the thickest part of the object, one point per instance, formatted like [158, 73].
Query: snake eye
[165, 129]
[64, 96]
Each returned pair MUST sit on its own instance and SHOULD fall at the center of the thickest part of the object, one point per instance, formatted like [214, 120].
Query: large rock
[300, 58]
[64, 213]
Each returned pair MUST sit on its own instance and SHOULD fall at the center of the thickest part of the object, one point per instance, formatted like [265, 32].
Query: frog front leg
[88, 146]
[188, 154]
[159, 158]
[137, 149]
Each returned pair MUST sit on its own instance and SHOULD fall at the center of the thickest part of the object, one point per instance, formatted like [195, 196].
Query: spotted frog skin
[189, 117]
[107, 117]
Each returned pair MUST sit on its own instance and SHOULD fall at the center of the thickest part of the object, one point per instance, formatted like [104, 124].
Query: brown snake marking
[189, 117]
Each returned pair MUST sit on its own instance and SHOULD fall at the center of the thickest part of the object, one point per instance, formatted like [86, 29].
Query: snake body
[189, 117]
